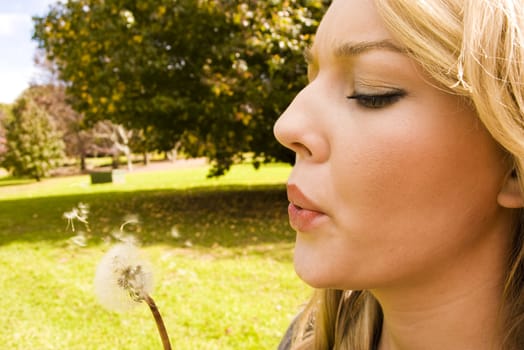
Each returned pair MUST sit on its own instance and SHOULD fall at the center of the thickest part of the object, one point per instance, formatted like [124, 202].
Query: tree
[52, 99]
[34, 147]
[116, 140]
[212, 74]
[4, 115]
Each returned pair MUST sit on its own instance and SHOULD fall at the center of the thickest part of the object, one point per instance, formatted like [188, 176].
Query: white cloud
[16, 47]
[13, 23]
[13, 83]
[29, 7]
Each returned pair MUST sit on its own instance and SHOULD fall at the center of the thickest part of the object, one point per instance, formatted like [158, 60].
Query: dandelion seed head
[123, 278]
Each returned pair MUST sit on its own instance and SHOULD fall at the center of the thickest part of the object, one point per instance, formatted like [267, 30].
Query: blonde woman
[406, 194]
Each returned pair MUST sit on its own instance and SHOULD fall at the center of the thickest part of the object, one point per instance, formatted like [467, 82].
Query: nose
[300, 129]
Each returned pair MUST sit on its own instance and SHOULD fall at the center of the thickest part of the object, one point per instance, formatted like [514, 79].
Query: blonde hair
[475, 49]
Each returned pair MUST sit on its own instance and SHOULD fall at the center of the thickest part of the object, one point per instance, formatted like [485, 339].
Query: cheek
[408, 193]
[417, 170]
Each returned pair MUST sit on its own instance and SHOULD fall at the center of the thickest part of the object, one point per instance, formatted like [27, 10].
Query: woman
[406, 192]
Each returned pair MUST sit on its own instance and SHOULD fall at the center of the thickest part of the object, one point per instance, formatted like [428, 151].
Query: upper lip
[299, 199]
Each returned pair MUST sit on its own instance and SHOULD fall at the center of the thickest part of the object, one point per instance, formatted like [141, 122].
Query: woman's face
[395, 180]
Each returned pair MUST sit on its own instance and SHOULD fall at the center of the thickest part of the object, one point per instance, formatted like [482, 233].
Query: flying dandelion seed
[123, 237]
[123, 280]
[131, 219]
[80, 213]
[175, 233]
[80, 239]
[121, 234]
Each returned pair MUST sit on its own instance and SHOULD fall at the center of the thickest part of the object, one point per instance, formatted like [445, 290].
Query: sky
[16, 47]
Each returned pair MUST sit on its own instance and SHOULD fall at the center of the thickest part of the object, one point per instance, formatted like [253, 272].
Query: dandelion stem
[159, 322]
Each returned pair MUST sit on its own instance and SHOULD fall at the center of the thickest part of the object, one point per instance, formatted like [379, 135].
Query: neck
[455, 308]
[467, 322]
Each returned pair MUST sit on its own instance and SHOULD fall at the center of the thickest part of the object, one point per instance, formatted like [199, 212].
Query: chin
[316, 275]
[315, 282]
[321, 274]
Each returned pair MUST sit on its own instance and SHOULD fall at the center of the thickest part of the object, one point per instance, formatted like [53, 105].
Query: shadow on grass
[238, 216]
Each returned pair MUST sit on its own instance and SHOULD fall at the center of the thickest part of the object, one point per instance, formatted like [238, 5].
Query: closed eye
[377, 101]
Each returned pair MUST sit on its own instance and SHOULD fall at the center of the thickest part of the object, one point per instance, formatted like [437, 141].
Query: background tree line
[207, 76]
[40, 131]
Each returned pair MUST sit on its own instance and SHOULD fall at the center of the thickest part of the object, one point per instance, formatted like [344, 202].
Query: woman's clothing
[285, 343]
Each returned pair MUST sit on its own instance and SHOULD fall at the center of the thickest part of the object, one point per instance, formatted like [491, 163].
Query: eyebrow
[354, 49]
[350, 49]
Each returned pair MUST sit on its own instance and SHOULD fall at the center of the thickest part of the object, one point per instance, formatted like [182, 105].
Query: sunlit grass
[244, 175]
[221, 249]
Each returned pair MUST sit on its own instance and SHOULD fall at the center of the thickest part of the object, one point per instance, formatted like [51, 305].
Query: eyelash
[377, 101]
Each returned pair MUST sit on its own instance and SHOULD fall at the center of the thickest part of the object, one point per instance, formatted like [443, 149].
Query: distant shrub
[33, 145]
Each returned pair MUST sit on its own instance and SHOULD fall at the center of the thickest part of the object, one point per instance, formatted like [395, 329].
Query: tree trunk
[82, 162]
[129, 161]
[115, 161]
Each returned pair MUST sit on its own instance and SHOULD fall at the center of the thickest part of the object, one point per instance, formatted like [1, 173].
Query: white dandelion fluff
[80, 213]
[123, 278]
[79, 240]
[125, 238]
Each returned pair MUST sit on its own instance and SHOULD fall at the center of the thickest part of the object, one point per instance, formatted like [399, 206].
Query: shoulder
[301, 326]
[285, 343]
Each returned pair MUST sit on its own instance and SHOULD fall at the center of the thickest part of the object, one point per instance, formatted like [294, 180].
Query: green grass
[221, 249]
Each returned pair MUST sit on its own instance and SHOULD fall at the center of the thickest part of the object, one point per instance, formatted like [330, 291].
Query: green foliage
[5, 115]
[5, 111]
[52, 99]
[33, 145]
[212, 74]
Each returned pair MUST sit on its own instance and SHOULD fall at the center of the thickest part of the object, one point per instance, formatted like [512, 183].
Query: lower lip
[303, 220]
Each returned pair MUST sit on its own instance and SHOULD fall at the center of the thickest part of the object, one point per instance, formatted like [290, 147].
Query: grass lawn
[221, 250]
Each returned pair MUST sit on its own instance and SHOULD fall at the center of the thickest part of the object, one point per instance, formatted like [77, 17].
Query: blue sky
[16, 47]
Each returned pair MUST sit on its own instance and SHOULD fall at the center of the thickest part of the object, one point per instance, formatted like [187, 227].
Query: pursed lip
[304, 214]
[299, 199]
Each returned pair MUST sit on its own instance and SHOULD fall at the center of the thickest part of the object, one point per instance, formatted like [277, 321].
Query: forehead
[351, 21]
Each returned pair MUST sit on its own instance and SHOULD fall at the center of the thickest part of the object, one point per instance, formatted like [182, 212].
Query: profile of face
[396, 181]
